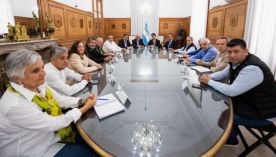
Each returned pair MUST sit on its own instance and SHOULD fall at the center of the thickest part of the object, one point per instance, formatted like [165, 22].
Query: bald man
[137, 42]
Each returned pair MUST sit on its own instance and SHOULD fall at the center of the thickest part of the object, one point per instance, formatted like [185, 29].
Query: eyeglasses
[80, 46]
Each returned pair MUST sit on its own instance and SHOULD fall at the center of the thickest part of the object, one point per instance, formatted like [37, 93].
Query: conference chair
[262, 134]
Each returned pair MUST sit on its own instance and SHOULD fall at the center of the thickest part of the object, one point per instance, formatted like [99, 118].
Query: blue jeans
[238, 120]
[80, 148]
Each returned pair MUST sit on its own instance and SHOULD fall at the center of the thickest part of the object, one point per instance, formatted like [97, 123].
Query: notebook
[109, 105]
[201, 69]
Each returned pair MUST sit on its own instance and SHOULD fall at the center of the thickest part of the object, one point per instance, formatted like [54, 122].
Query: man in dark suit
[138, 42]
[171, 44]
[94, 50]
[154, 42]
[124, 43]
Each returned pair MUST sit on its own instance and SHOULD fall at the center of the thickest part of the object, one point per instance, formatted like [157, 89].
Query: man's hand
[86, 77]
[108, 58]
[199, 62]
[186, 56]
[205, 78]
[99, 66]
[175, 51]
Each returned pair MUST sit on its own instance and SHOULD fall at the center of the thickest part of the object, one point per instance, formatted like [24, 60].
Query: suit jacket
[95, 54]
[122, 43]
[173, 44]
[157, 43]
[134, 43]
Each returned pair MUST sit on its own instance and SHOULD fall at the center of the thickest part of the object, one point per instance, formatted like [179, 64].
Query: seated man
[222, 60]
[99, 49]
[110, 46]
[93, 54]
[124, 43]
[189, 47]
[252, 88]
[138, 42]
[154, 42]
[57, 73]
[206, 54]
[170, 44]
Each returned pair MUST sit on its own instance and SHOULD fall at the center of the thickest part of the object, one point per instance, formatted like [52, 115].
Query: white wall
[167, 8]
[175, 8]
[24, 7]
[214, 3]
[85, 5]
[116, 8]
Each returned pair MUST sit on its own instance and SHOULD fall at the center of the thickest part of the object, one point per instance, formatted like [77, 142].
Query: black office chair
[265, 133]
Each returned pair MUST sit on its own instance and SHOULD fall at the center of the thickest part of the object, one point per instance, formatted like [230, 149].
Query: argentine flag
[145, 35]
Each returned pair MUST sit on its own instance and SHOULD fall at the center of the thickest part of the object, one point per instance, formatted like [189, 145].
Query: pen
[102, 99]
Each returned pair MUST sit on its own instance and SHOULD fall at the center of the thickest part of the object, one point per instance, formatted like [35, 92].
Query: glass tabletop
[190, 119]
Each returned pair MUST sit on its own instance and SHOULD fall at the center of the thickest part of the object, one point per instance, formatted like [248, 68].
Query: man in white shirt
[110, 46]
[57, 73]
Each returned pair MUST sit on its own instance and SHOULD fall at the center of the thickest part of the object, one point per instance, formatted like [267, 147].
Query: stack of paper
[107, 105]
[201, 69]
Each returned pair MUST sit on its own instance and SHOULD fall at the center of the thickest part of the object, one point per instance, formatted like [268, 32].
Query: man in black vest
[252, 88]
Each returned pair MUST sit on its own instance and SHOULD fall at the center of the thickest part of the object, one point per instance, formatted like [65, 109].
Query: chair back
[130, 38]
[161, 38]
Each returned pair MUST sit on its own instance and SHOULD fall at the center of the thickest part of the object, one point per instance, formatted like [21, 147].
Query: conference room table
[192, 121]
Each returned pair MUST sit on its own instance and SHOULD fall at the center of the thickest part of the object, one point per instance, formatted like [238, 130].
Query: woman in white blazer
[78, 61]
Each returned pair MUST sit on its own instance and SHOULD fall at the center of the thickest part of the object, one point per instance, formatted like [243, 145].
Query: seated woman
[78, 61]
[32, 122]
[189, 47]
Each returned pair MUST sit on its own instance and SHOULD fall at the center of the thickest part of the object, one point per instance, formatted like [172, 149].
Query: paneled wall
[28, 22]
[228, 20]
[70, 24]
[99, 27]
[172, 25]
[117, 27]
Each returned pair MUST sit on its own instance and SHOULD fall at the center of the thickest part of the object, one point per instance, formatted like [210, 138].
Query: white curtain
[143, 11]
[260, 31]
[6, 15]
[199, 19]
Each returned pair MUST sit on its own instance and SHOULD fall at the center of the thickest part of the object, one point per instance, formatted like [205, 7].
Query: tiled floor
[261, 151]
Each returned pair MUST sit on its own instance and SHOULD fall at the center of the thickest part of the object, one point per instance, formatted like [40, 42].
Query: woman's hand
[89, 103]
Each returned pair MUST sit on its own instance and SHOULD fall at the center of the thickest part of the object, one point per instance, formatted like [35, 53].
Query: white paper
[201, 69]
[108, 107]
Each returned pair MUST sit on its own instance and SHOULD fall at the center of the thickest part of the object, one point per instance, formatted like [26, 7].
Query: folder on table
[108, 105]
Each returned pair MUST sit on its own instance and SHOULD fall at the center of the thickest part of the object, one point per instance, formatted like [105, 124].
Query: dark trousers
[80, 148]
[238, 120]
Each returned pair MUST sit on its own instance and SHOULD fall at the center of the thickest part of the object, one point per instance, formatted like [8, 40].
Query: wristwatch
[80, 103]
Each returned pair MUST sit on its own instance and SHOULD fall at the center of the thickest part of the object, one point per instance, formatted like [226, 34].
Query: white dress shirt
[57, 80]
[27, 131]
[183, 50]
[111, 47]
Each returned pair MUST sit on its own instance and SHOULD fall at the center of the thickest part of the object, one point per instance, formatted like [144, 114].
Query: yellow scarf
[50, 105]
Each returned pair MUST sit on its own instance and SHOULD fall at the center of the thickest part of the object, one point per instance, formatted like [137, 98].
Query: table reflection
[189, 119]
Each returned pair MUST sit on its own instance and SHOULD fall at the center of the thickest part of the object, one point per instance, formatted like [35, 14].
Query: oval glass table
[191, 120]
